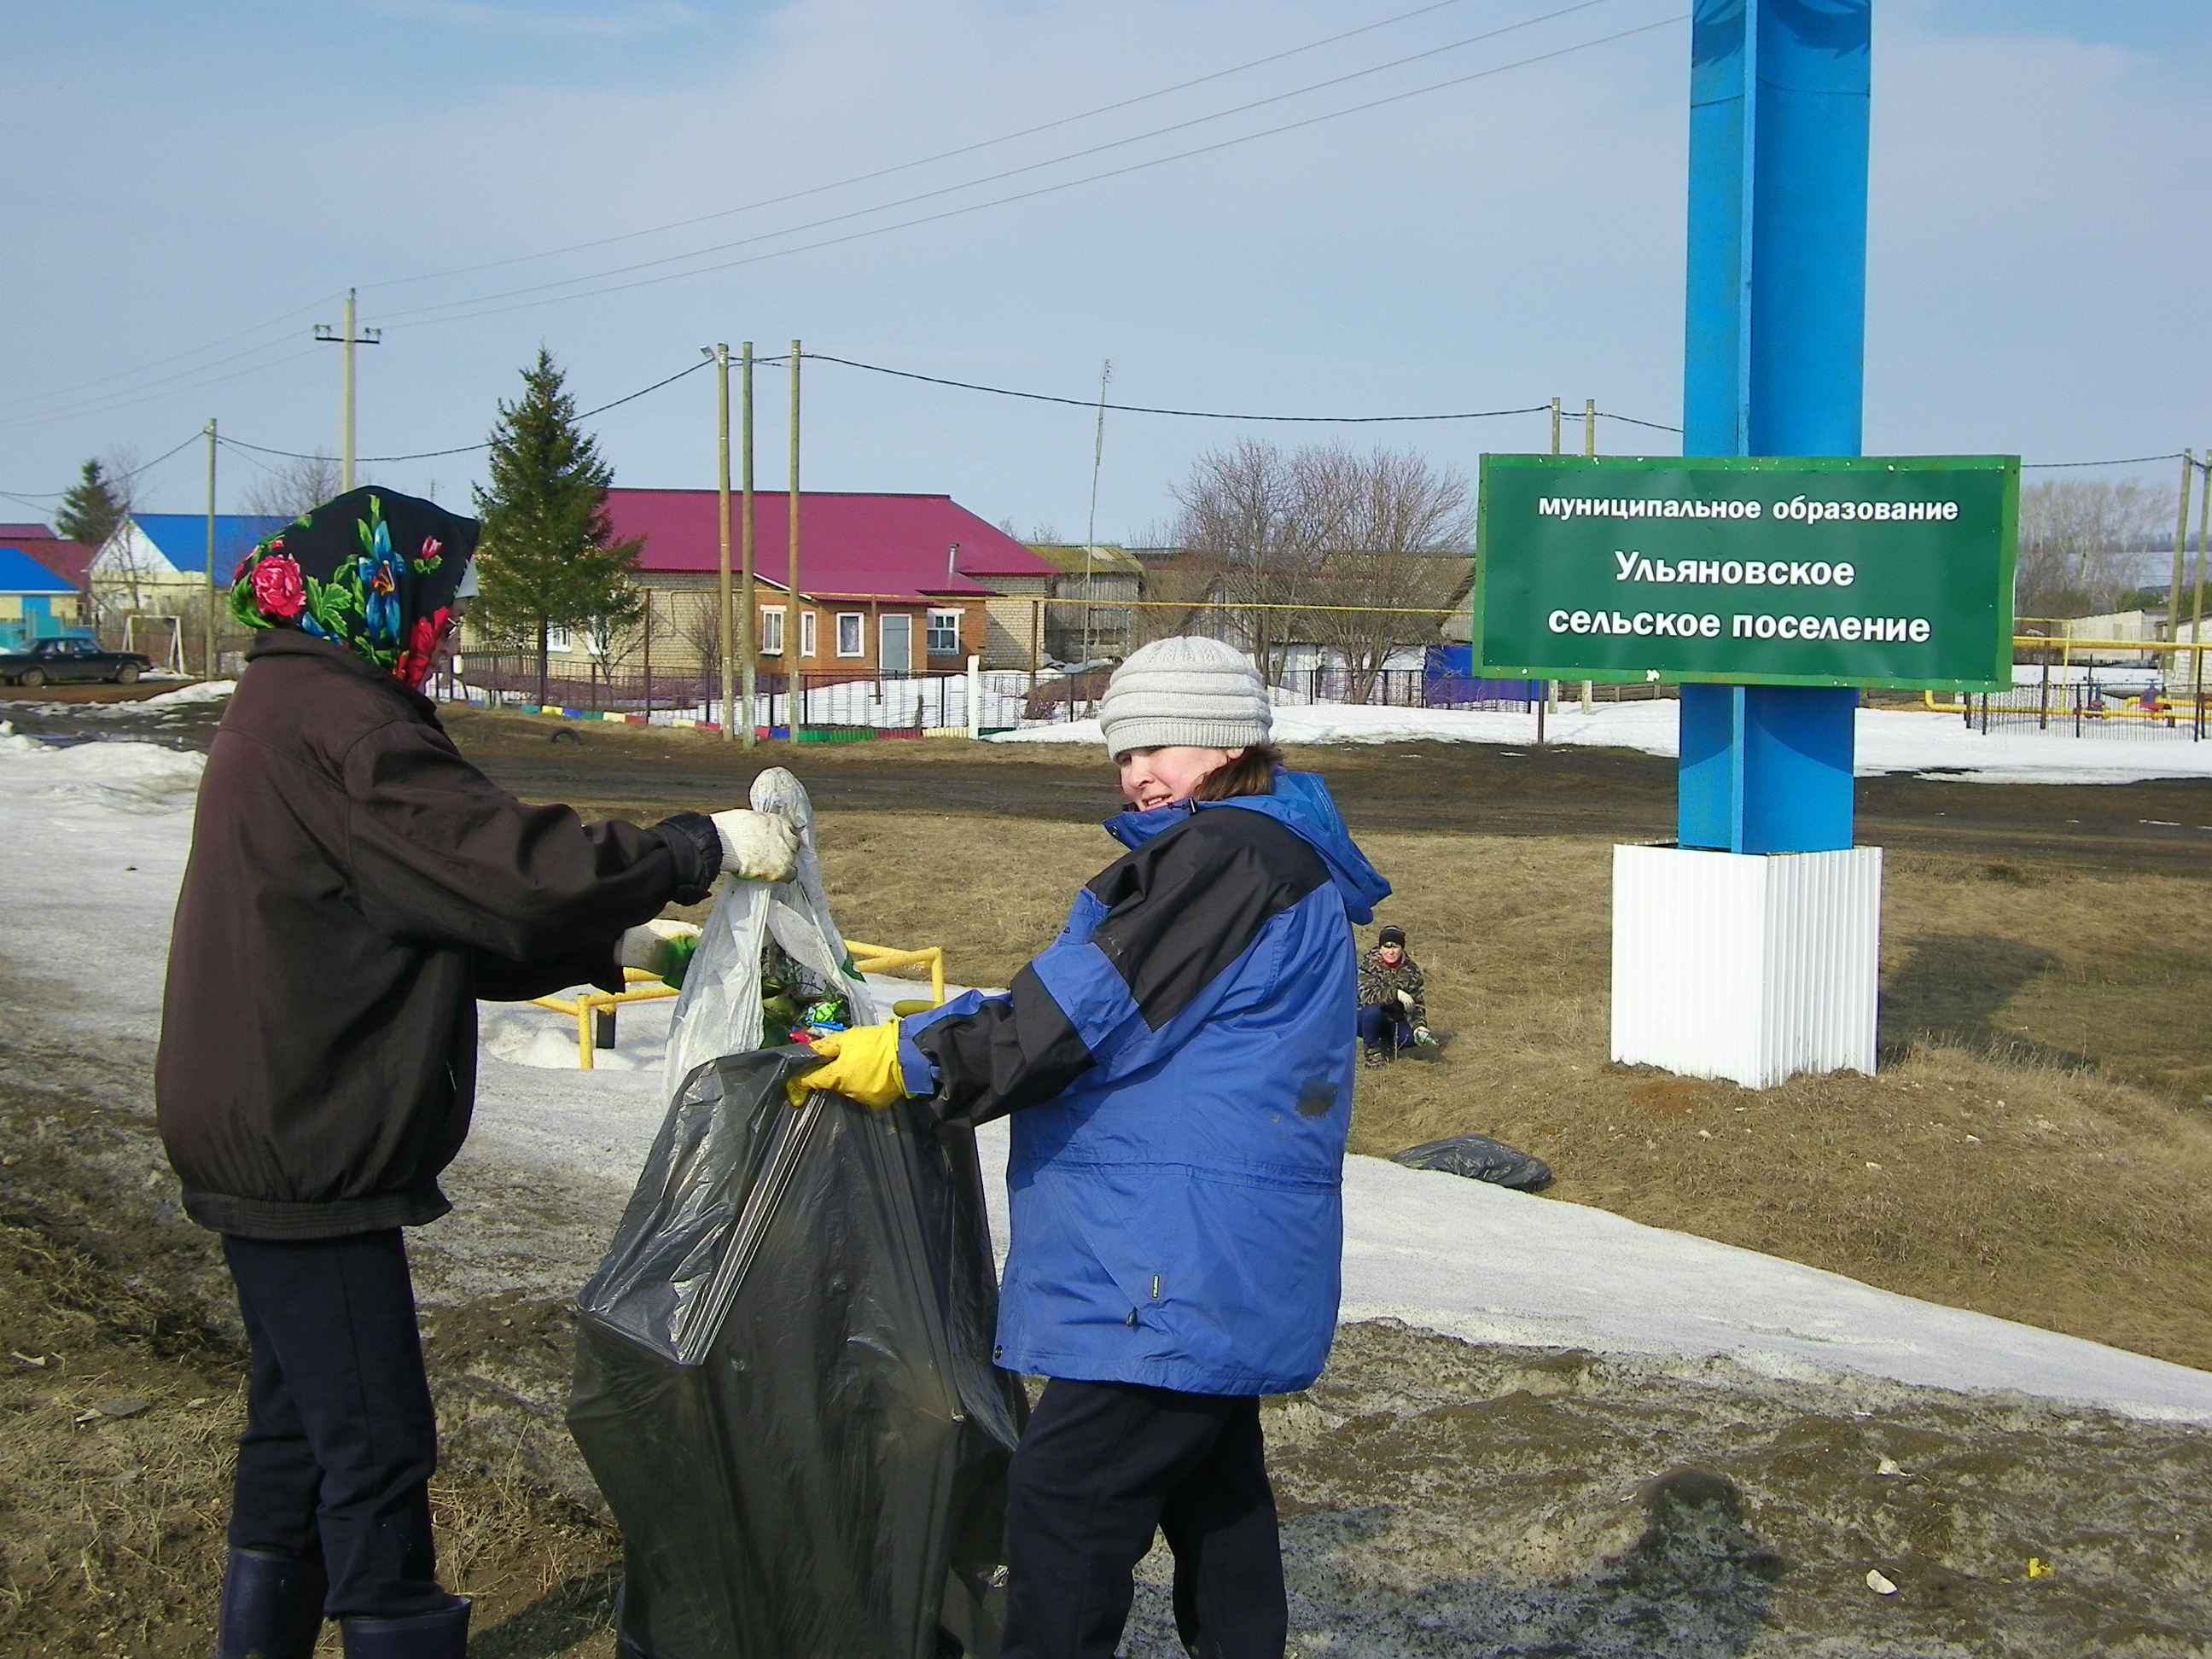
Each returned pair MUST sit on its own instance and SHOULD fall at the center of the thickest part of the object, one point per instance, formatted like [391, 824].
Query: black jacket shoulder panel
[1186, 905]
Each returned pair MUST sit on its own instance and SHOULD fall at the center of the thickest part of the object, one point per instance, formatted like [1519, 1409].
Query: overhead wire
[159, 362]
[1042, 190]
[469, 449]
[426, 312]
[133, 399]
[921, 161]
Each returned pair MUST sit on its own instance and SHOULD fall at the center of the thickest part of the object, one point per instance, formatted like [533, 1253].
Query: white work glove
[1421, 1035]
[662, 949]
[1405, 1000]
[757, 846]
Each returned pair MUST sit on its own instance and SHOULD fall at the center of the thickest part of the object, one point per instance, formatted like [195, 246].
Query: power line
[1042, 190]
[158, 362]
[1009, 172]
[132, 400]
[470, 449]
[1189, 414]
[907, 167]
[2132, 460]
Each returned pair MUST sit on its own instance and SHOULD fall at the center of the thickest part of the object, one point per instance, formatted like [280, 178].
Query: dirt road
[1474, 788]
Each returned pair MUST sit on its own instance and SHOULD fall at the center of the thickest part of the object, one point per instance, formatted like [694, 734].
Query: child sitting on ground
[1392, 1014]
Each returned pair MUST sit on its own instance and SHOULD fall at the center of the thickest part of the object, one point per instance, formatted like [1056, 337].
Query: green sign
[1876, 570]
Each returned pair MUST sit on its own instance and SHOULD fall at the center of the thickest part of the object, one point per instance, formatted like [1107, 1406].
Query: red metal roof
[16, 534]
[852, 546]
[70, 561]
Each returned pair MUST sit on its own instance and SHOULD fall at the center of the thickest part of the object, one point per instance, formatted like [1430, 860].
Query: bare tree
[1394, 533]
[1244, 520]
[2081, 542]
[297, 485]
[1320, 546]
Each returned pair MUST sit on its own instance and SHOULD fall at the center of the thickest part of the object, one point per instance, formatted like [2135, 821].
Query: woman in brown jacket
[355, 886]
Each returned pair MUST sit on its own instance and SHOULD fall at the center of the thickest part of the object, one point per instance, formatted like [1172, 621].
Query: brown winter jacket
[355, 886]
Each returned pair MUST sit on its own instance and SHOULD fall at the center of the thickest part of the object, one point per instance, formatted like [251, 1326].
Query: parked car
[56, 662]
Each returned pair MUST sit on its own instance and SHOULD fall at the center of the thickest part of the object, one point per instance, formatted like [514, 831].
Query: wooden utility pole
[2180, 544]
[207, 658]
[346, 339]
[796, 689]
[2196, 621]
[727, 635]
[747, 622]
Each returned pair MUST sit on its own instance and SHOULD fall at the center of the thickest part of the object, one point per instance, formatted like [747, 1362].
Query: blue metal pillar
[1774, 366]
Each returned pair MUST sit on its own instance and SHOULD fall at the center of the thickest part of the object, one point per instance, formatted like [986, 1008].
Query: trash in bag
[783, 1383]
[1479, 1158]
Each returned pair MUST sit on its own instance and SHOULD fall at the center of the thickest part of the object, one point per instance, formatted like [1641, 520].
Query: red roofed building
[887, 584]
[70, 561]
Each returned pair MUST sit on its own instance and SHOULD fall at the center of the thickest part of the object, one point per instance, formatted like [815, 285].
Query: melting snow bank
[93, 843]
[1477, 1262]
[122, 777]
[1889, 740]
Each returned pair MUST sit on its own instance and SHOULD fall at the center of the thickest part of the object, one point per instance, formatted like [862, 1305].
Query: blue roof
[182, 538]
[22, 573]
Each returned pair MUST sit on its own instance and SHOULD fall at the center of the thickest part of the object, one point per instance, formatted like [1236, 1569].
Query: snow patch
[1889, 740]
[126, 777]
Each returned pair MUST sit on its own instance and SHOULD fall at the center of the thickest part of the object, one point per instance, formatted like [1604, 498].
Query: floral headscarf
[372, 570]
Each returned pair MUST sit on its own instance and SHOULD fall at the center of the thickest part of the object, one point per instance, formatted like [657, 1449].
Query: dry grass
[2040, 1153]
[112, 1542]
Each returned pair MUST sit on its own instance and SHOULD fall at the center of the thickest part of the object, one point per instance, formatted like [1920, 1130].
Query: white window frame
[952, 620]
[771, 630]
[855, 624]
[558, 638]
[810, 631]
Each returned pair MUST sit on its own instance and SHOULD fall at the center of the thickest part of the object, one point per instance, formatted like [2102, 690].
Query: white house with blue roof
[159, 561]
[35, 604]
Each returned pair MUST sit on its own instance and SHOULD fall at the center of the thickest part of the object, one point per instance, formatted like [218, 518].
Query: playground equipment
[586, 1004]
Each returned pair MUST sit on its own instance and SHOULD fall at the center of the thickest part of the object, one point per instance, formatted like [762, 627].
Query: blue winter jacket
[1179, 1063]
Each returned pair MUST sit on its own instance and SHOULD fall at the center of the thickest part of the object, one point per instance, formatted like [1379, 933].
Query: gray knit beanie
[1187, 692]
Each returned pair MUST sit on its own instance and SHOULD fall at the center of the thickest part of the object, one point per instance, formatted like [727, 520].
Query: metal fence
[2086, 711]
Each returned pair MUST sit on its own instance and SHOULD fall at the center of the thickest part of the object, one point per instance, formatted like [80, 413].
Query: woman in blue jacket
[1179, 1068]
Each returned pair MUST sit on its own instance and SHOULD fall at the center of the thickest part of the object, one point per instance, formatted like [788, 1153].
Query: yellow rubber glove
[863, 1066]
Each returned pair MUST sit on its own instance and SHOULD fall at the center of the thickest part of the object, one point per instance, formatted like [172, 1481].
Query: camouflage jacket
[1379, 985]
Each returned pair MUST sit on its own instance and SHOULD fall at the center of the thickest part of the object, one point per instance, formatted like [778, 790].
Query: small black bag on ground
[1479, 1158]
[784, 1384]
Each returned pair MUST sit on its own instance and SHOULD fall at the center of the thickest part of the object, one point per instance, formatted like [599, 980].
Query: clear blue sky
[175, 175]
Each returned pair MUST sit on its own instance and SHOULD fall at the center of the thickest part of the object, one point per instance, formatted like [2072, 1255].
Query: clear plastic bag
[783, 1383]
[719, 1011]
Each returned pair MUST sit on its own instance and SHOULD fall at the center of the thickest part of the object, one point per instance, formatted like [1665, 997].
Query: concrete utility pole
[727, 635]
[791, 671]
[2196, 621]
[1090, 524]
[747, 650]
[346, 339]
[207, 656]
[1555, 426]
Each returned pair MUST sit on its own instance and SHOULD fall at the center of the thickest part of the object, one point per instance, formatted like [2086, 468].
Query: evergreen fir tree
[547, 557]
[92, 509]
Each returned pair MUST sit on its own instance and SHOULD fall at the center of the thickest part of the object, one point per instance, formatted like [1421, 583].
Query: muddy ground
[1439, 1497]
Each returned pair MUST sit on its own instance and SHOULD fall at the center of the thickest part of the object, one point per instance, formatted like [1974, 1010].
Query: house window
[944, 633]
[558, 638]
[808, 645]
[771, 630]
[852, 633]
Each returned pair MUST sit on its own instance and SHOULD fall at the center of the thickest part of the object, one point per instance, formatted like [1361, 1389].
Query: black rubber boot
[272, 1606]
[440, 1635]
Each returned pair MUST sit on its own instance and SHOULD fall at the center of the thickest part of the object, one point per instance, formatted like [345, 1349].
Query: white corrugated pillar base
[1747, 968]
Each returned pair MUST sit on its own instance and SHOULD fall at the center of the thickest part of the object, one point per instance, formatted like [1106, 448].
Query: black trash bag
[1479, 1158]
[784, 1384]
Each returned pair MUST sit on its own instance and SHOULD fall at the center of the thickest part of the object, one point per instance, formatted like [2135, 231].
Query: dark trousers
[1103, 1465]
[340, 1437]
[1382, 1027]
